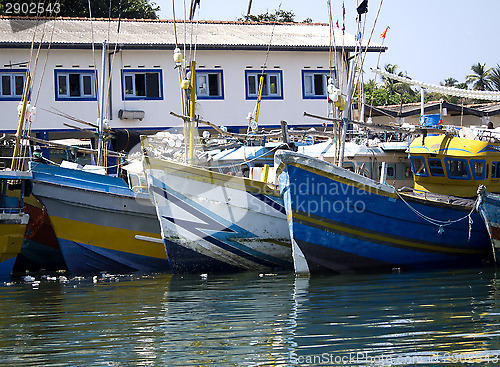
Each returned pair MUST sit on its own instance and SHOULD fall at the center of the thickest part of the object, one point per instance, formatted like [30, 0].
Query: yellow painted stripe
[378, 237]
[118, 239]
[11, 240]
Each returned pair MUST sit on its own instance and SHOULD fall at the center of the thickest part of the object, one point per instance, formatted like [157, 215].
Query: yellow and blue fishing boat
[456, 164]
[13, 219]
[340, 221]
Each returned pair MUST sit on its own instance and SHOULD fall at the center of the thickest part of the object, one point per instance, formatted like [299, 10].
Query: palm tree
[449, 82]
[494, 78]
[394, 86]
[480, 78]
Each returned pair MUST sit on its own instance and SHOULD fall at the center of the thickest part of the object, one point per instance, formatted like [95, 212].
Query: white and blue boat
[102, 223]
[340, 221]
[488, 206]
[212, 221]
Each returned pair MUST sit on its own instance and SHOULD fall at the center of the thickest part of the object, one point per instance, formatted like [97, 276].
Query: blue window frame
[75, 85]
[314, 83]
[209, 84]
[478, 168]
[495, 169]
[272, 87]
[457, 168]
[436, 167]
[142, 84]
[418, 166]
[12, 84]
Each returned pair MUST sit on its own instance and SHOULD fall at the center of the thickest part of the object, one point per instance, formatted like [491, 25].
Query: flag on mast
[384, 33]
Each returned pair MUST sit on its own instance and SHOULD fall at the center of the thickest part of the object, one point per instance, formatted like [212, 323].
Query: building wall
[232, 111]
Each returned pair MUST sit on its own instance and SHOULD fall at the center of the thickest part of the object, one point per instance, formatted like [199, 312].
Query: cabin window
[436, 167]
[390, 170]
[314, 84]
[141, 84]
[272, 87]
[478, 168]
[73, 85]
[209, 84]
[457, 169]
[495, 170]
[418, 166]
[12, 84]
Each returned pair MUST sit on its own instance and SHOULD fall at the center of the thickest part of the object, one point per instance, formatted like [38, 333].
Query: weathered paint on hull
[100, 223]
[222, 222]
[11, 239]
[342, 222]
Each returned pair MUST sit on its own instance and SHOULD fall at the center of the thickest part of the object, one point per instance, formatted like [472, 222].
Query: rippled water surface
[253, 319]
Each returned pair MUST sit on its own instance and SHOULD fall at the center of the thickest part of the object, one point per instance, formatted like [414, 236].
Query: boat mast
[100, 127]
[20, 124]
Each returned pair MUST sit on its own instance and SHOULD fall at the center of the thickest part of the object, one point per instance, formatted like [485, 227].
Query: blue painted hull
[343, 222]
[85, 259]
[6, 267]
[488, 206]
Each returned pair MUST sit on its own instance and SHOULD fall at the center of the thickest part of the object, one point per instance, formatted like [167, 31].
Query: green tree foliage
[480, 77]
[494, 78]
[139, 9]
[278, 16]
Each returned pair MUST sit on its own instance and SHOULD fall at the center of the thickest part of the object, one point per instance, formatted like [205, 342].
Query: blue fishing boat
[488, 206]
[13, 219]
[340, 221]
[102, 223]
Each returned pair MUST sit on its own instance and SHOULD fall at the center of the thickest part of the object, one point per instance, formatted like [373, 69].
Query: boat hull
[216, 222]
[488, 206]
[101, 225]
[40, 249]
[342, 222]
[12, 229]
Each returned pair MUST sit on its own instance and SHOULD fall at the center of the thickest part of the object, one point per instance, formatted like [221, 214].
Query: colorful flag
[384, 33]
[337, 24]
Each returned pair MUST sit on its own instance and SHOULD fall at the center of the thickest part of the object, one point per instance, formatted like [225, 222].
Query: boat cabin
[457, 165]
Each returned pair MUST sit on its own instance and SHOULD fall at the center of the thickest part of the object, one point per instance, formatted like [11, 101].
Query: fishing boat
[340, 221]
[213, 221]
[488, 206]
[457, 161]
[13, 220]
[102, 223]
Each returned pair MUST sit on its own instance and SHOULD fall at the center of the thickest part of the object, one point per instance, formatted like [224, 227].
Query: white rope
[437, 222]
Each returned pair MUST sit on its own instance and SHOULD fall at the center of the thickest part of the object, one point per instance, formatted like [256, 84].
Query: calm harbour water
[252, 319]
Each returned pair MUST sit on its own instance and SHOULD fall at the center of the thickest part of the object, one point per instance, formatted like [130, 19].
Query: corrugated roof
[79, 32]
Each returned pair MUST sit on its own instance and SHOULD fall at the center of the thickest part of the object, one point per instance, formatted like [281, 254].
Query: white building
[65, 63]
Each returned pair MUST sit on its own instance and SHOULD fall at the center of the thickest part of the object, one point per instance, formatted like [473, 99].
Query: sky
[430, 40]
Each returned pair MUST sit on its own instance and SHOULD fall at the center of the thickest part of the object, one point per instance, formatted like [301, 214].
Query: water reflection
[253, 319]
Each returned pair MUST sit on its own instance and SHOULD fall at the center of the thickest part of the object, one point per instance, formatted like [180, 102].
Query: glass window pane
[457, 168]
[63, 89]
[140, 85]
[87, 85]
[19, 81]
[252, 87]
[213, 85]
[319, 87]
[74, 85]
[419, 166]
[273, 84]
[152, 85]
[308, 84]
[202, 85]
[6, 90]
[436, 167]
[129, 86]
